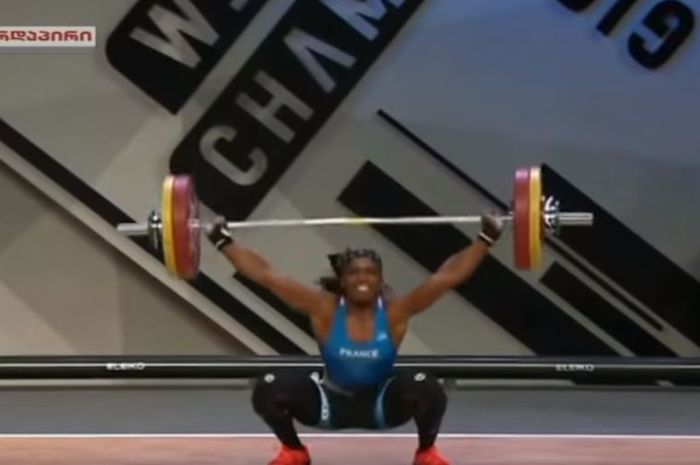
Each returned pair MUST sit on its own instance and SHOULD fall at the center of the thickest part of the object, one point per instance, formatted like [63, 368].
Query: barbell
[177, 226]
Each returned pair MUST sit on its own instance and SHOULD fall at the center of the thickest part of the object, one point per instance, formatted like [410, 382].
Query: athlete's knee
[281, 393]
[269, 396]
[424, 389]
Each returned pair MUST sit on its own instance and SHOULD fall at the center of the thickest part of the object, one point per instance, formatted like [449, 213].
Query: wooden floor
[350, 451]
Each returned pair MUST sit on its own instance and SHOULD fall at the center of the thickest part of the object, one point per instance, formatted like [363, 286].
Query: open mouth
[363, 288]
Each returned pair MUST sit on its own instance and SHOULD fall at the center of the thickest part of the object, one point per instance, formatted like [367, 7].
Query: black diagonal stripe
[495, 290]
[299, 320]
[42, 161]
[602, 313]
[441, 159]
[628, 260]
[486, 193]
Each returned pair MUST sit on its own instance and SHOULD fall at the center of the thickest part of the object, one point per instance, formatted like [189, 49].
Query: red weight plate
[185, 208]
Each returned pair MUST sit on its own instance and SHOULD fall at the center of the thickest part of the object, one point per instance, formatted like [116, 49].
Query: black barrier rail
[613, 369]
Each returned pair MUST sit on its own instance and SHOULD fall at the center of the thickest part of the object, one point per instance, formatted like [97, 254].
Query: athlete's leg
[280, 398]
[418, 396]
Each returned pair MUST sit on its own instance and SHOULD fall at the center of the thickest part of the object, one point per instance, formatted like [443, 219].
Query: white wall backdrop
[400, 105]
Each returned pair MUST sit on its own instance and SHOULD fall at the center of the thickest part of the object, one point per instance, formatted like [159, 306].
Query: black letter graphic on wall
[282, 96]
[613, 17]
[659, 21]
[167, 47]
[577, 5]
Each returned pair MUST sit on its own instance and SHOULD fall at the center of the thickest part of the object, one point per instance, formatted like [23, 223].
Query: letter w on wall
[167, 48]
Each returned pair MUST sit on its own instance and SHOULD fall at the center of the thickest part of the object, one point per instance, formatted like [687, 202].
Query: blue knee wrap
[379, 418]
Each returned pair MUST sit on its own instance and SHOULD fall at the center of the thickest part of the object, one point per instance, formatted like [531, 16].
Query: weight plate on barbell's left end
[521, 218]
[186, 231]
[166, 230]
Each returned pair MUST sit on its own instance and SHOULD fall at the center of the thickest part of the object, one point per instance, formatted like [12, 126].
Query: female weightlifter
[359, 329]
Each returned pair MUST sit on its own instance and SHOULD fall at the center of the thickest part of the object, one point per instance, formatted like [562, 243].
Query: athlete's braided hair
[339, 261]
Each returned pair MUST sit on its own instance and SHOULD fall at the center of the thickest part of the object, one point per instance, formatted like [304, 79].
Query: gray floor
[225, 409]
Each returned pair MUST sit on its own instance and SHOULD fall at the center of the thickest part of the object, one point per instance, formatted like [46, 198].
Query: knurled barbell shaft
[564, 219]
[359, 221]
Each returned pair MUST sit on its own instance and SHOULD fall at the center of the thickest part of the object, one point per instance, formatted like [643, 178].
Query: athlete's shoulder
[330, 304]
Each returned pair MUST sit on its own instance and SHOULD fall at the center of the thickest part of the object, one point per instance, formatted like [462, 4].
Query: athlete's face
[362, 281]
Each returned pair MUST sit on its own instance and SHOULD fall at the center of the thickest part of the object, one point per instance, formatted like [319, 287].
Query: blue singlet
[352, 365]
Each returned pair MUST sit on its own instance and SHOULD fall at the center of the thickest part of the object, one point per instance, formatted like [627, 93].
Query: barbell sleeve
[575, 218]
[133, 229]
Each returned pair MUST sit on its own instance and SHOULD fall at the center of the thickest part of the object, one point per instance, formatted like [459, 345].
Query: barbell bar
[177, 226]
[565, 219]
[142, 229]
